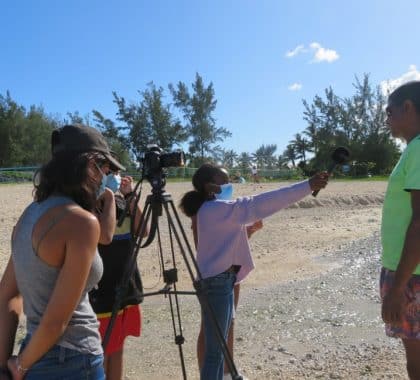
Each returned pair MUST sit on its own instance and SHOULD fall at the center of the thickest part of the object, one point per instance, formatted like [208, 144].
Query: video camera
[155, 160]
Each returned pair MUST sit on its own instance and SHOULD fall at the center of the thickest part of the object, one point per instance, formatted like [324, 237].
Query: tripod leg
[173, 299]
[179, 339]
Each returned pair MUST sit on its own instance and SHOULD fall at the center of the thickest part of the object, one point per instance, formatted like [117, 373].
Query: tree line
[357, 122]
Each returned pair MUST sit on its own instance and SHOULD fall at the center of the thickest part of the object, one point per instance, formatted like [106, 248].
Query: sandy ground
[291, 321]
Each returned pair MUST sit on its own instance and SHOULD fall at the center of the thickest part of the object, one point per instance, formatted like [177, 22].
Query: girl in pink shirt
[223, 254]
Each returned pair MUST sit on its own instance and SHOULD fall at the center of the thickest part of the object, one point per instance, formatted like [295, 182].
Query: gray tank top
[36, 280]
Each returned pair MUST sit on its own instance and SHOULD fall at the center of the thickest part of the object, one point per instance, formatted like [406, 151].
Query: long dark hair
[407, 91]
[192, 200]
[68, 174]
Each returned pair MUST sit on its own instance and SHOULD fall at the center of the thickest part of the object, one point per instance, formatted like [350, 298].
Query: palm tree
[264, 156]
[301, 146]
[229, 158]
[290, 154]
[282, 161]
[244, 161]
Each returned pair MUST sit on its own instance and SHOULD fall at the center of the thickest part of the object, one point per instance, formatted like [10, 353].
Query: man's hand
[394, 306]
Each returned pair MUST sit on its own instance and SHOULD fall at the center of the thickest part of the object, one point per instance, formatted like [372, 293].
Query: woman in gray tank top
[54, 263]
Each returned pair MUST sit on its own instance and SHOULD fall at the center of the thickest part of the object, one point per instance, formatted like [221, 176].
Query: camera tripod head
[155, 161]
[158, 182]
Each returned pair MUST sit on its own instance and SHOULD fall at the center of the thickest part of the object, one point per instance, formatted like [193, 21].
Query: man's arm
[395, 301]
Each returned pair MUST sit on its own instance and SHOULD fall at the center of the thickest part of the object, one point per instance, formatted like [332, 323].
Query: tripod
[156, 203]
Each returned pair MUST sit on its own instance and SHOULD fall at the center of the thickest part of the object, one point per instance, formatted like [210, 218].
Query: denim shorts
[61, 363]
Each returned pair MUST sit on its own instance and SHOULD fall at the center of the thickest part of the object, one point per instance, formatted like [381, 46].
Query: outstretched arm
[248, 210]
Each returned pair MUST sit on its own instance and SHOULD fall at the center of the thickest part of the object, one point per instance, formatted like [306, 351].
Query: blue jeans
[220, 299]
[61, 363]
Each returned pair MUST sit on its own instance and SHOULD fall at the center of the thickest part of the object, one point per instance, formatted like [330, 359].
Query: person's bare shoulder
[81, 223]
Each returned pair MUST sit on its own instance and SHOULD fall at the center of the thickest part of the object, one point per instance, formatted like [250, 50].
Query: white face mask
[226, 193]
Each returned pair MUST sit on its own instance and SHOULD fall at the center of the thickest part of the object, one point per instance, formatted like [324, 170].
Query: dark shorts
[410, 328]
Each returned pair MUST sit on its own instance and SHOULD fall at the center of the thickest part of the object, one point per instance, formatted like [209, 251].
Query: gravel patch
[323, 327]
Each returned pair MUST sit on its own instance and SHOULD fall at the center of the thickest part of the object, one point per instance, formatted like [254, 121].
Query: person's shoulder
[216, 211]
[222, 205]
[412, 150]
[214, 205]
[81, 220]
[414, 144]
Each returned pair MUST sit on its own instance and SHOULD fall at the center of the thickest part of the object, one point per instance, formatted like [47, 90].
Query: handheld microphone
[340, 156]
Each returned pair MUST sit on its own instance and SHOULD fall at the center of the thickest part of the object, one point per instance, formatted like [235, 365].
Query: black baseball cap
[81, 138]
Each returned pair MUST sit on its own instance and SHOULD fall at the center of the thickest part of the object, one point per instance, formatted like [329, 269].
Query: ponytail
[191, 202]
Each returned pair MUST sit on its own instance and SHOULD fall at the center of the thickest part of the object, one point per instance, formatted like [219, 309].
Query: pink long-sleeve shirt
[221, 228]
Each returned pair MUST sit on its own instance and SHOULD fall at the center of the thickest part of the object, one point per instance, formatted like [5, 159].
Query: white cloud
[322, 54]
[298, 49]
[390, 85]
[295, 87]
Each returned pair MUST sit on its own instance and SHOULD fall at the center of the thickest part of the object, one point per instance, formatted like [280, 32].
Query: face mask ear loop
[98, 167]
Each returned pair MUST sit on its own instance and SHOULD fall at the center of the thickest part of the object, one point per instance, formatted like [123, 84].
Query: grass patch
[15, 177]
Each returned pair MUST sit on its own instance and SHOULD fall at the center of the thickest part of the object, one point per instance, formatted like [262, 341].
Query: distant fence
[17, 174]
[26, 173]
[263, 174]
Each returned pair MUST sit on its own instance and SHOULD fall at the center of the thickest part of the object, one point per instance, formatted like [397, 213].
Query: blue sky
[263, 57]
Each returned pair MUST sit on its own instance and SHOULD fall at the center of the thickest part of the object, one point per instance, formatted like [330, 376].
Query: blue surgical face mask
[102, 186]
[226, 193]
[113, 182]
